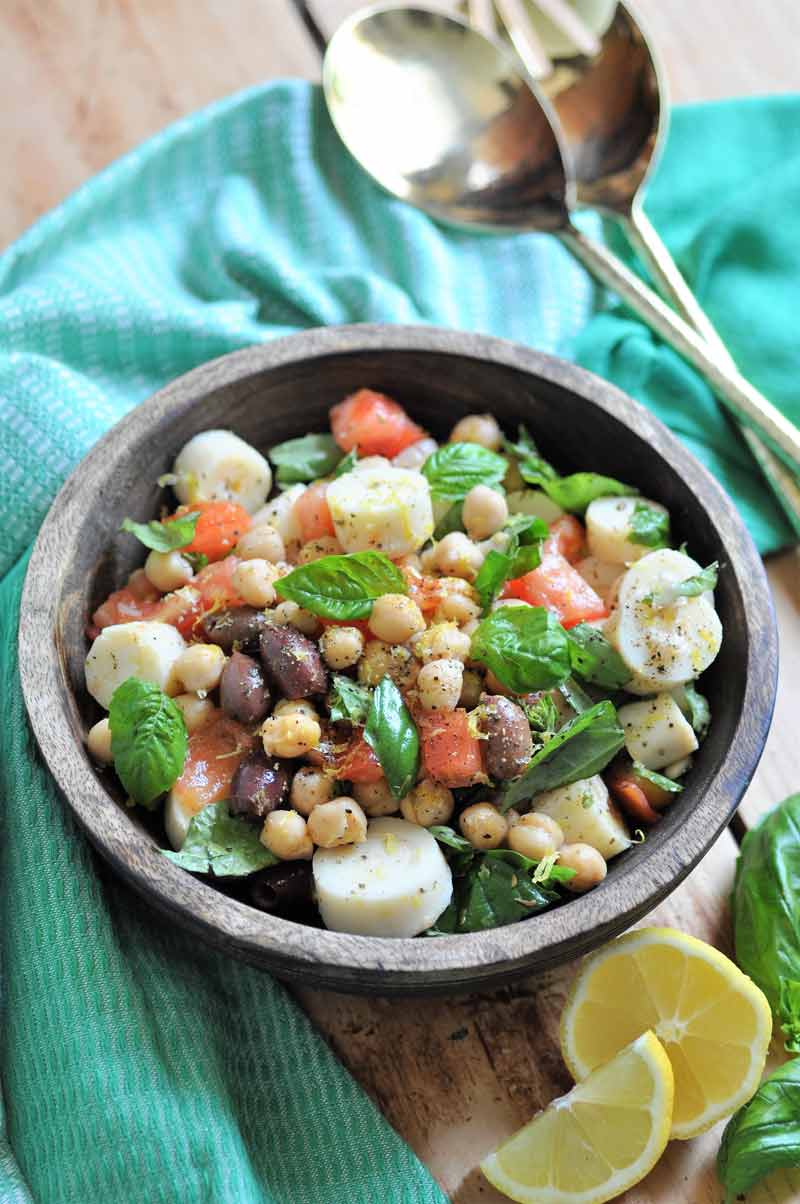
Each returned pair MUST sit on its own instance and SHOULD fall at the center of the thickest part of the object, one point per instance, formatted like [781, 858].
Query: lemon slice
[713, 1021]
[592, 1144]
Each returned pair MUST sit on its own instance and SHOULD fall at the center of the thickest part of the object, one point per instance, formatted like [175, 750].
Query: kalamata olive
[240, 627]
[280, 886]
[292, 662]
[260, 785]
[243, 692]
[509, 746]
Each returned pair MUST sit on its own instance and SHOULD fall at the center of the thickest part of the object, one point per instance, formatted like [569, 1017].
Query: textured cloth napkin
[135, 1065]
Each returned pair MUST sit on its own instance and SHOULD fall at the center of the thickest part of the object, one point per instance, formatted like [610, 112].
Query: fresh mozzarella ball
[585, 815]
[341, 647]
[218, 465]
[415, 455]
[385, 509]
[263, 542]
[279, 514]
[98, 741]
[478, 428]
[310, 787]
[484, 511]
[458, 556]
[141, 649]
[285, 833]
[608, 528]
[394, 884]
[167, 570]
[656, 732]
[589, 866]
[428, 803]
[439, 684]
[200, 667]
[663, 646]
[534, 502]
[376, 798]
[601, 575]
[395, 618]
[339, 822]
[483, 826]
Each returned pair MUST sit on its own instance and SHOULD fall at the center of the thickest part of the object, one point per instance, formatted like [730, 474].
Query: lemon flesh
[713, 1021]
[590, 1145]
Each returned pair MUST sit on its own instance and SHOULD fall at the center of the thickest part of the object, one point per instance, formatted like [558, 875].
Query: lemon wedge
[592, 1144]
[713, 1021]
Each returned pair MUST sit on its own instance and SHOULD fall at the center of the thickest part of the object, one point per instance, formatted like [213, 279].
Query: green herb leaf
[764, 1135]
[594, 659]
[576, 696]
[580, 749]
[492, 575]
[575, 492]
[649, 527]
[533, 467]
[522, 554]
[453, 520]
[342, 587]
[347, 463]
[658, 779]
[453, 469]
[691, 587]
[305, 459]
[222, 844]
[198, 560]
[524, 646]
[492, 894]
[148, 740]
[163, 537]
[348, 700]
[697, 708]
[392, 735]
[542, 715]
[451, 838]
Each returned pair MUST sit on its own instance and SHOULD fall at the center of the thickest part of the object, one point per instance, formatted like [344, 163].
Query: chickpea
[339, 822]
[471, 689]
[478, 428]
[140, 585]
[415, 455]
[589, 865]
[381, 658]
[285, 833]
[296, 706]
[167, 570]
[395, 618]
[376, 798]
[289, 613]
[197, 712]
[315, 549]
[98, 741]
[441, 641]
[457, 608]
[261, 543]
[483, 826]
[458, 556]
[428, 803]
[310, 788]
[341, 647]
[512, 817]
[254, 581]
[484, 512]
[290, 735]
[439, 684]
[427, 559]
[410, 561]
[535, 836]
[200, 667]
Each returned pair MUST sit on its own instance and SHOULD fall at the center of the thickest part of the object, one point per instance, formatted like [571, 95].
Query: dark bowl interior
[283, 389]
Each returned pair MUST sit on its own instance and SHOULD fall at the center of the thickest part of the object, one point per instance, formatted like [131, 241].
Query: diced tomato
[358, 762]
[567, 538]
[374, 424]
[214, 754]
[211, 589]
[450, 754]
[312, 513]
[123, 606]
[556, 585]
[219, 527]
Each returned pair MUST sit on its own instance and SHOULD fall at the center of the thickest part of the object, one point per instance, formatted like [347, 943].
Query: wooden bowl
[285, 388]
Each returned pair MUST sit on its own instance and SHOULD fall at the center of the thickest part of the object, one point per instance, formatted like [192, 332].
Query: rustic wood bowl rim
[341, 960]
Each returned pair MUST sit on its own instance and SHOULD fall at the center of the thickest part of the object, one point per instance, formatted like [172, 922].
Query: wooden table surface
[82, 81]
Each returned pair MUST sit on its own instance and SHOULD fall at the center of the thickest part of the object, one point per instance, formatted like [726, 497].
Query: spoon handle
[746, 403]
[647, 241]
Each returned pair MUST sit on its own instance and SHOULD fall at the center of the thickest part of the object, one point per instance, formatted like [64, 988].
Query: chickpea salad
[398, 687]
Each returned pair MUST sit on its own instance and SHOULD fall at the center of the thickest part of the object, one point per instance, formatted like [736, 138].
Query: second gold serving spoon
[443, 118]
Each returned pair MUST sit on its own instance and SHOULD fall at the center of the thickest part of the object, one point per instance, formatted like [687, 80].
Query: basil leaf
[392, 735]
[594, 659]
[546, 870]
[649, 527]
[492, 575]
[576, 696]
[699, 711]
[580, 749]
[348, 700]
[453, 469]
[222, 844]
[347, 463]
[575, 492]
[494, 893]
[163, 537]
[524, 646]
[691, 587]
[542, 715]
[766, 911]
[533, 467]
[148, 740]
[764, 1135]
[305, 459]
[342, 587]
[198, 560]
[452, 521]
[522, 554]
[451, 838]
[657, 779]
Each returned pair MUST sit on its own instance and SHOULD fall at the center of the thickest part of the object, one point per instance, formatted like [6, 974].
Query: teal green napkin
[136, 1066]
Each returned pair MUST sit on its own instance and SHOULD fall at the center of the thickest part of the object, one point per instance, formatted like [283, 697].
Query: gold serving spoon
[445, 119]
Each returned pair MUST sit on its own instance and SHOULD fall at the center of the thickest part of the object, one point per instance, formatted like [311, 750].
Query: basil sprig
[222, 844]
[342, 587]
[573, 492]
[392, 735]
[164, 537]
[580, 749]
[348, 700]
[524, 646]
[522, 554]
[347, 463]
[305, 459]
[148, 740]
[596, 660]
[649, 527]
[764, 1135]
[453, 469]
[690, 587]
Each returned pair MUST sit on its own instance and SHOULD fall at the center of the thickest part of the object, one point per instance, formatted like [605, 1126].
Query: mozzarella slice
[663, 646]
[608, 528]
[586, 815]
[656, 732]
[601, 575]
[146, 650]
[386, 509]
[279, 513]
[218, 465]
[395, 883]
[535, 502]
